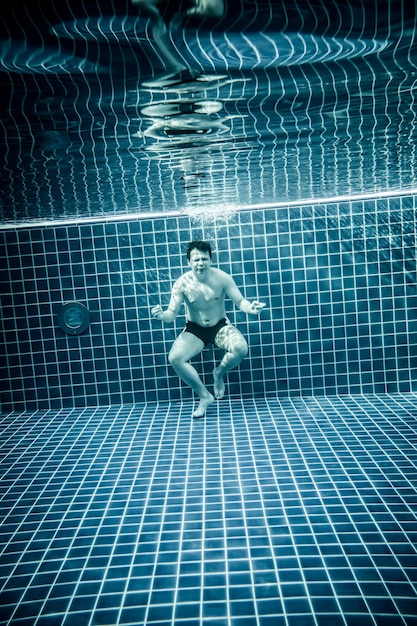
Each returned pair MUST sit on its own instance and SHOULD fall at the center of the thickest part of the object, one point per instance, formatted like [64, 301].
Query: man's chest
[201, 295]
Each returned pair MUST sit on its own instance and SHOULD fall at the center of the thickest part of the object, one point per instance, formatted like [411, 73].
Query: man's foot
[203, 404]
[218, 385]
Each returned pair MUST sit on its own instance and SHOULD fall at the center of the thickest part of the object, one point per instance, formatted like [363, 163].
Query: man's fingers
[156, 310]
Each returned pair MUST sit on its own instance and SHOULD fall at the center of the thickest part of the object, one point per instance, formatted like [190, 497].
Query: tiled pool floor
[269, 512]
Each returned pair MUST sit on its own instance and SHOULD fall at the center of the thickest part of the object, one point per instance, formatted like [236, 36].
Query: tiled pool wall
[339, 281]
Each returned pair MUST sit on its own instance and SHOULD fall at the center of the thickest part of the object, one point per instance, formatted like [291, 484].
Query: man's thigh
[186, 346]
[229, 338]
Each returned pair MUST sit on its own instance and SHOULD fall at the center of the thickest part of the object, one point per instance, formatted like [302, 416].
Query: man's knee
[175, 358]
[240, 349]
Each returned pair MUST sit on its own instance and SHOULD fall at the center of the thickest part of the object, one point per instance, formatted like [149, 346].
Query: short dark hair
[202, 246]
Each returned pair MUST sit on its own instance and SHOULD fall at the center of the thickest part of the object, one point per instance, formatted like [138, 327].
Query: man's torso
[204, 300]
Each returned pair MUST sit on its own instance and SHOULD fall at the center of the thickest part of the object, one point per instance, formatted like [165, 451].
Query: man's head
[201, 246]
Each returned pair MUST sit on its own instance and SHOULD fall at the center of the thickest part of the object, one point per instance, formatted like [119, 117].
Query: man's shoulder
[220, 275]
[183, 281]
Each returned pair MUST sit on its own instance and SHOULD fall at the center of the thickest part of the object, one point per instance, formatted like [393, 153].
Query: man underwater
[203, 291]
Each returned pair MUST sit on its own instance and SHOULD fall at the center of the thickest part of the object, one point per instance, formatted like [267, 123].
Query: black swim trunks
[207, 334]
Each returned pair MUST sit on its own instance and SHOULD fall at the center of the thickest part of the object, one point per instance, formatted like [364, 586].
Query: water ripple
[251, 50]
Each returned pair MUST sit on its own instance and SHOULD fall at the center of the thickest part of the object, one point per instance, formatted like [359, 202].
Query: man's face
[200, 263]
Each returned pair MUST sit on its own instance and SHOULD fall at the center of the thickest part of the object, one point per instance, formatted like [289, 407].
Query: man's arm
[174, 305]
[237, 298]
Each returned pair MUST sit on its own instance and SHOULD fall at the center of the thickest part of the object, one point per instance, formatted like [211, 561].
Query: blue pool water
[338, 280]
[284, 133]
[269, 512]
[108, 110]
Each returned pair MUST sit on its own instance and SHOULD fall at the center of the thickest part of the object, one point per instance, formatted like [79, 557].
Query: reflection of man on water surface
[202, 8]
[165, 30]
[203, 290]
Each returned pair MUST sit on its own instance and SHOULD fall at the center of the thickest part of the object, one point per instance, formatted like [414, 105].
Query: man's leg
[231, 340]
[185, 347]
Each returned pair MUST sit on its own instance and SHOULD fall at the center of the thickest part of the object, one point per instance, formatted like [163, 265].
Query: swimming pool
[290, 146]
[338, 280]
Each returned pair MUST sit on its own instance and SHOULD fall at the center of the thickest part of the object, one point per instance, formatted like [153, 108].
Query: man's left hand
[257, 307]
